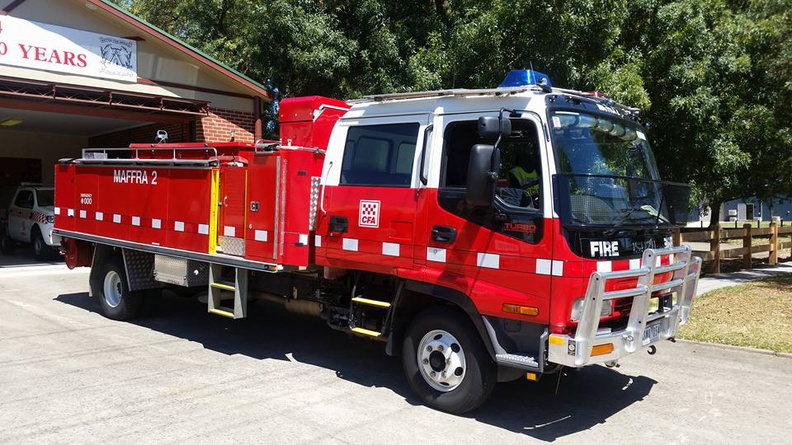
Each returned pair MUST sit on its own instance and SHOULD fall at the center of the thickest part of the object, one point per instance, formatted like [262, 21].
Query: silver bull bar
[643, 328]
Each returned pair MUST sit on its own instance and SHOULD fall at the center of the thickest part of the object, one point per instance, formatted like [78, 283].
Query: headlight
[50, 219]
[653, 305]
[577, 309]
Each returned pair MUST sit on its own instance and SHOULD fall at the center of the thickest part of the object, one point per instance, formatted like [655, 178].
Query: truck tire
[117, 302]
[446, 363]
[40, 248]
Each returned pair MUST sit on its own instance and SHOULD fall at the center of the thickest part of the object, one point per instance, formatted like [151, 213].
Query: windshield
[45, 198]
[608, 175]
[587, 143]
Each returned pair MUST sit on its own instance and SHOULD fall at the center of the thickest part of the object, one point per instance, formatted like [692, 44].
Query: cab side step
[367, 313]
[364, 331]
[217, 285]
[377, 303]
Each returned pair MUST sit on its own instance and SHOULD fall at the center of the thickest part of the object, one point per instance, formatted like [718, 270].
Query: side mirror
[481, 180]
[490, 127]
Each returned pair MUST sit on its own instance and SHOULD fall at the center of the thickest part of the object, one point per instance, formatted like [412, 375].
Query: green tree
[714, 77]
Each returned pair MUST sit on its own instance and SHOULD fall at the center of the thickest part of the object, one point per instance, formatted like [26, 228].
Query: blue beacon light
[521, 78]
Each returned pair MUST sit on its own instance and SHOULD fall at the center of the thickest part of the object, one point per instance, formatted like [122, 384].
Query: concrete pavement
[68, 375]
[712, 282]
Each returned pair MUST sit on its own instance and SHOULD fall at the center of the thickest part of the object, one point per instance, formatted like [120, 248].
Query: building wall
[184, 132]
[782, 207]
[156, 61]
[216, 127]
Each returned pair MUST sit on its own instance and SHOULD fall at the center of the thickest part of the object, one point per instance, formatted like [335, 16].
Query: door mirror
[481, 179]
[490, 128]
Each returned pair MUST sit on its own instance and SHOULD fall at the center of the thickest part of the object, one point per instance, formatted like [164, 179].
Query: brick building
[84, 73]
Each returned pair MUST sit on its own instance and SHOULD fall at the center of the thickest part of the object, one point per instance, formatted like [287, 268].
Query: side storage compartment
[284, 183]
[162, 195]
[283, 198]
[65, 196]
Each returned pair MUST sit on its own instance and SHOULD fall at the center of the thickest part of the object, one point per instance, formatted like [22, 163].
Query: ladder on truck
[220, 288]
[179, 156]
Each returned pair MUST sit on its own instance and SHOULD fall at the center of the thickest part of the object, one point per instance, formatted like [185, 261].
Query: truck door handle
[444, 234]
[338, 224]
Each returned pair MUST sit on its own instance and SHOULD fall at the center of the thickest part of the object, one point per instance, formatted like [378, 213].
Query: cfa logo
[369, 214]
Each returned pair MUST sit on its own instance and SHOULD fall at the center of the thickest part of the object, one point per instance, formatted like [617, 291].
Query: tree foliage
[714, 77]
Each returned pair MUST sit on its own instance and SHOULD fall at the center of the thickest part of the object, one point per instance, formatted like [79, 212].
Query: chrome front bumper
[643, 328]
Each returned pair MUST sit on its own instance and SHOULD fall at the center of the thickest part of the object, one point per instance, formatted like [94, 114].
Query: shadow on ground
[583, 400]
[23, 256]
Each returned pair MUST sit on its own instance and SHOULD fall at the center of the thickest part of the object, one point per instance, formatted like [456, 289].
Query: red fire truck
[482, 235]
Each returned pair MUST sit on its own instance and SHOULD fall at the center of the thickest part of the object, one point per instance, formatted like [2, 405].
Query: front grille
[623, 306]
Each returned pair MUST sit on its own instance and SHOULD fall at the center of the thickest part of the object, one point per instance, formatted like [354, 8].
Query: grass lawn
[757, 314]
[760, 241]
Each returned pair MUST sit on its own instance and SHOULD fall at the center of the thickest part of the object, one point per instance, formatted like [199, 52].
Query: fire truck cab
[483, 235]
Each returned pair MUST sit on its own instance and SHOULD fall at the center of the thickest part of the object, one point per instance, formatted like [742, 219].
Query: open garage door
[32, 141]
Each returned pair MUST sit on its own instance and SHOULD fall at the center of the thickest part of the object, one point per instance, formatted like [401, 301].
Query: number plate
[651, 334]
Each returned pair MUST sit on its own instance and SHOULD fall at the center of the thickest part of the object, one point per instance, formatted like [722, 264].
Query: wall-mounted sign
[55, 48]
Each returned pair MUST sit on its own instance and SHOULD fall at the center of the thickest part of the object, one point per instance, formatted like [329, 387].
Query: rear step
[217, 286]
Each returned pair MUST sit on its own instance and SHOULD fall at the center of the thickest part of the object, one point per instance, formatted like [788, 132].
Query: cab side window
[379, 155]
[459, 138]
[24, 199]
[519, 173]
[519, 177]
[516, 209]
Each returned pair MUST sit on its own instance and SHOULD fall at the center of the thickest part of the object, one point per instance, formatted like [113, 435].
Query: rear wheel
[117, 302]
[446, 363]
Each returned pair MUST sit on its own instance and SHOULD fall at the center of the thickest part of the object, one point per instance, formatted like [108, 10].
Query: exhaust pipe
[294, 306]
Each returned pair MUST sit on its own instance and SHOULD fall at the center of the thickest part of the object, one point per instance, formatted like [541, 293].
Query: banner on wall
[41, 46]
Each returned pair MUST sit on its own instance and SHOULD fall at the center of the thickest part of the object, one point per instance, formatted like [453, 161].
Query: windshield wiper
[630, 211]
[621, 219]
[660, 209]
[650, 216]
[654, 213]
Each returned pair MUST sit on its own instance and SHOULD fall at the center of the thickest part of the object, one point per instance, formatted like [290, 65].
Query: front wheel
[446, 363]
[40, 248]
[117, 302]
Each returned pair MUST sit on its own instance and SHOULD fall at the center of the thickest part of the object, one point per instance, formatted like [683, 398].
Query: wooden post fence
[718, 237]
[747, 244]
[715, 249]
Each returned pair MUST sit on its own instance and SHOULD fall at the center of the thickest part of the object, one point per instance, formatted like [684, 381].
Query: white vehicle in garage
[30, 219]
